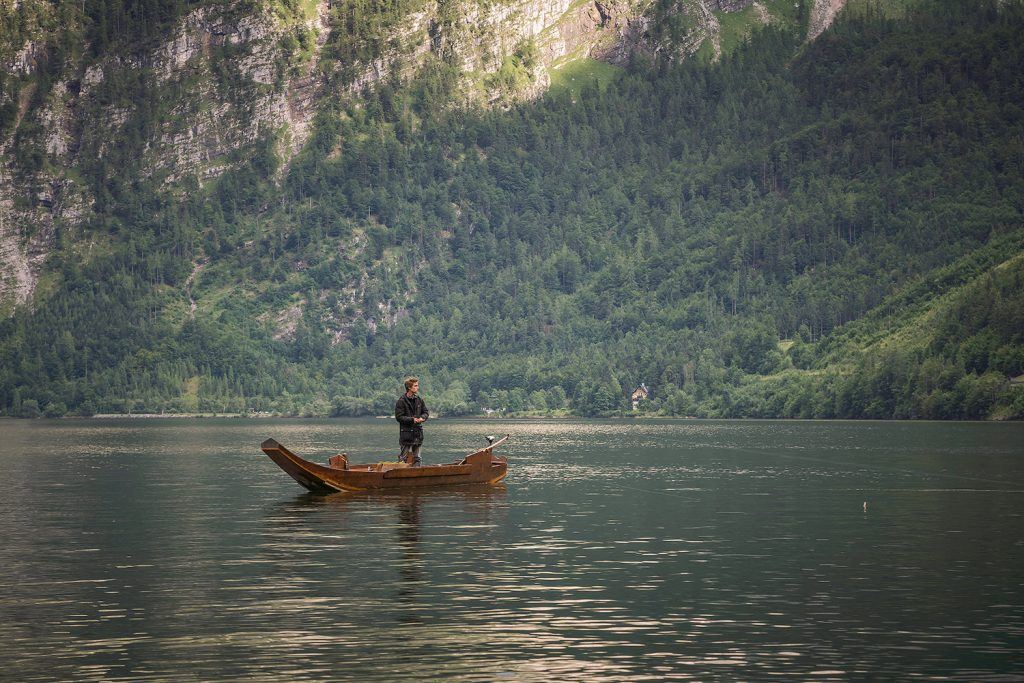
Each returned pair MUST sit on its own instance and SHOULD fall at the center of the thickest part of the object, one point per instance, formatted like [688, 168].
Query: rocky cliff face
[220, 81]
[227, 77]
[230, 79]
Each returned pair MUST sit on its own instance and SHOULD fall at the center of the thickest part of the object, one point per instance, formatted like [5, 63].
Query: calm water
[175, 550]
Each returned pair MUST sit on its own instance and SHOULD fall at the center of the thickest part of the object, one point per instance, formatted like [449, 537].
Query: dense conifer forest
[829, 229]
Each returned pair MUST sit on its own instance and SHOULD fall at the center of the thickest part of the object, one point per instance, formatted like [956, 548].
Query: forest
[798, 230]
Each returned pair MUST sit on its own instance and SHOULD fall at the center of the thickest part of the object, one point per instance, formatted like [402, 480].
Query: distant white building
[641, 393]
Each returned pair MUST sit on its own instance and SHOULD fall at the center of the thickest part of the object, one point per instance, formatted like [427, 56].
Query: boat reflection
[478, 500]
[403, 526]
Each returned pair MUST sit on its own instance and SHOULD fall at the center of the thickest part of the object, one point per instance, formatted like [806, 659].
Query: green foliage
[116, 23]
[516, 71]
[576, 75]
[752, 347]
[361, 31]
[670, 22]
[736, 27]
[861, 195]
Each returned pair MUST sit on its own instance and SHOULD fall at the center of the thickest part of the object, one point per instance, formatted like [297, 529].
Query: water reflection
[411, 568]
[618, 551]
[411, 525]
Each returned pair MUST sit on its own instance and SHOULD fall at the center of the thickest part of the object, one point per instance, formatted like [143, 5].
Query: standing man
[411, 413]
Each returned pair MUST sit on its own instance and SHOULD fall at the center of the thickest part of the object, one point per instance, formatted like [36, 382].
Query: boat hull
[480, 467]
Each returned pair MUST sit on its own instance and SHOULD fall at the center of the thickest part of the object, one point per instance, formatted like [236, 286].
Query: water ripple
[617, 551]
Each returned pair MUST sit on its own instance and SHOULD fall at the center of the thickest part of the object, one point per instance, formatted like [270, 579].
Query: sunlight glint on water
[657, 550]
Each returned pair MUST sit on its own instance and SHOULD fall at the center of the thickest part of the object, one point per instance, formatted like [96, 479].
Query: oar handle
[500, 441]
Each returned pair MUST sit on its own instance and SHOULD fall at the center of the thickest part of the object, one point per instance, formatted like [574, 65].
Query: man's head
[412, 385]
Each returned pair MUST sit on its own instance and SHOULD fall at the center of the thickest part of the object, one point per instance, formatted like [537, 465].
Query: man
[411, 413]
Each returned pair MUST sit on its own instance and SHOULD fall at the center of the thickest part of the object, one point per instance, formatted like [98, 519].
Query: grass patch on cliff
[705, 54]
[736, 27]
[575, 76]
[782, 10]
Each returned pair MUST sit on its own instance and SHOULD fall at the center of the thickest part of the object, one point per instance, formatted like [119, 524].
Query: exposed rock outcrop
[21, 259]
[823, 12]
[270, 95]
[26, 60]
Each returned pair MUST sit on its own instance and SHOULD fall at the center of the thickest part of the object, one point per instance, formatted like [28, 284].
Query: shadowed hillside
[825, 229]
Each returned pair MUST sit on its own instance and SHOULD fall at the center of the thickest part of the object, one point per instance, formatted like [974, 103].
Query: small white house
[641, 393]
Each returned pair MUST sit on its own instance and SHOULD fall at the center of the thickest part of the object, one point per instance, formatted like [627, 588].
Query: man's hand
[418, 420]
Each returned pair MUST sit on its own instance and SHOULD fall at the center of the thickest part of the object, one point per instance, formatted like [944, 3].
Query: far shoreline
[284, 416]
[280, 416]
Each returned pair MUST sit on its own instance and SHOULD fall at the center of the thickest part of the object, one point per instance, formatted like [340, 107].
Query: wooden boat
[479, 467]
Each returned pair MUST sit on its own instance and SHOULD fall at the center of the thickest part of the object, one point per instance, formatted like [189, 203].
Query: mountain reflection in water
[658, 550]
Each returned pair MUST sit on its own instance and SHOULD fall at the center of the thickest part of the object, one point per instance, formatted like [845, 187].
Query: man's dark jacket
[410, 434]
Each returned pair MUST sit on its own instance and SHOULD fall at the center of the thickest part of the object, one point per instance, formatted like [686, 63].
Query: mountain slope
[173, 94]
[669, 226]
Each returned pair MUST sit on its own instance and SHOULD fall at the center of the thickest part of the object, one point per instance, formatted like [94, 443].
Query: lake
[174, 549]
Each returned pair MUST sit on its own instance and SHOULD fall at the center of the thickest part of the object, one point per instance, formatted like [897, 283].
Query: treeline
[858, 197]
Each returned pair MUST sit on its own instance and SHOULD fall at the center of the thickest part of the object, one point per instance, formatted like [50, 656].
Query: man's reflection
[411, 566]
[343, 515]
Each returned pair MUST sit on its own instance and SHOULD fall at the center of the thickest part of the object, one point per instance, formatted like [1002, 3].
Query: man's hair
[409, 382]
